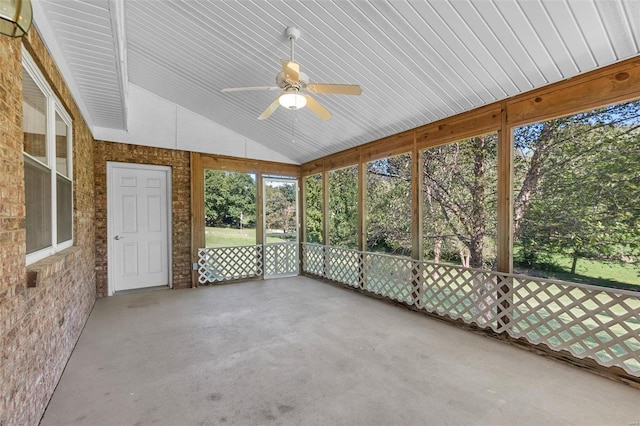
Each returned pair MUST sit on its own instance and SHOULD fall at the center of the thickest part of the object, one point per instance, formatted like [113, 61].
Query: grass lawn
[606, 274]
[225, 237]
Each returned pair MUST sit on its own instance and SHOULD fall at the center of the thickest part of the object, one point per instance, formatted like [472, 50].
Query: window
[230, 208]
[389, 205]
[343, 207]
[47, 166]
[313, 208]
[576, 199]
[460, 202]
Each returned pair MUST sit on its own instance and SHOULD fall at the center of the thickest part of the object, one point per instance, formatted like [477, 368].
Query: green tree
[313, 208]
[343, 207]
[280, 207]
[228, 197]
[579, 191]
[460, 199]
[389, 205]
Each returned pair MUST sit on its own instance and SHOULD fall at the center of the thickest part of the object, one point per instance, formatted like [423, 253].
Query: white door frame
[110, 234]
[281, 179]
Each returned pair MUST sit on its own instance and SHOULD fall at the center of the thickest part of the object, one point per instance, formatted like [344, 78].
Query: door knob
[118, 237]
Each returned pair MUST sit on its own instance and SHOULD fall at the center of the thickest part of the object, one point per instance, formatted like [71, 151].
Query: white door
[138, 220]
[280, 207]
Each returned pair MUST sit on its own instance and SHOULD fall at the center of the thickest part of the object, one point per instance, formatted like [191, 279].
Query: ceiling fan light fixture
[15, 17]
[292, 100]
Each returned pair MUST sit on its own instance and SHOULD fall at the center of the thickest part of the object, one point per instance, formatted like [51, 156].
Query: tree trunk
[437, 249]
[476, 242]
[574, 262]
[464, 257]
[534, 174]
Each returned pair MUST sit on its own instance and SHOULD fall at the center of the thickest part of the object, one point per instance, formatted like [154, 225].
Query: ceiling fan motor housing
[283, 82]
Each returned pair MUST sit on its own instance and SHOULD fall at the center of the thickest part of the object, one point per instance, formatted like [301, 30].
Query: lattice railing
[344, 266]
[598, 323]
[229, 263]
[590, 322]
[471, 295]
[390, 276]
[281, 259]
[313, 259]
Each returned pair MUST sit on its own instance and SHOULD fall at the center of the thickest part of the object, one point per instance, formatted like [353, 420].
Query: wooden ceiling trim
[342, 159]
[400, 143]
[609, 85]
[619, 82]
[477, 122]
[312, 168]
[248, 165]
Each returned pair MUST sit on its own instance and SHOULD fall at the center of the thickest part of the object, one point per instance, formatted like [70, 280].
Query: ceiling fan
[292, 82]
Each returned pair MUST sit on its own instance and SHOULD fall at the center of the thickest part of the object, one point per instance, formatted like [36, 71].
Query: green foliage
[280, 207]
[313, 208]
[460, 201]
[229, 199]
[581, 178]
[343, 207]
[389, 205]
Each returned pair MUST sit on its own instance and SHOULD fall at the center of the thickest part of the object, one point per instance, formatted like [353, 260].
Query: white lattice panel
[602, 324]
[344, 266]
[313, 259]
[280, 259]
[462, 293]
[229, 263]
[390, 276]
[591, 322]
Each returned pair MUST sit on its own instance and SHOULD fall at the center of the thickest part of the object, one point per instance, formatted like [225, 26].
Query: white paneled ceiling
[84, 33]
[416, 61]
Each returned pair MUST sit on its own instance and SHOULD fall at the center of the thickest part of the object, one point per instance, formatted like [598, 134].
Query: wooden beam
[362, 205]
[197, 212]
[505, 198]
[302, 202]
[342, 159]
[259, 210]
[393, 145]
[325, 220]
[613, 84]
[312, 168]
[416, 202]
[504, 231]
[247, 165]
[474, 123]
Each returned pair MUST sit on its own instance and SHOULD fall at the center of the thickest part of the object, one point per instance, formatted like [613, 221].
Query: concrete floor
[296, 351]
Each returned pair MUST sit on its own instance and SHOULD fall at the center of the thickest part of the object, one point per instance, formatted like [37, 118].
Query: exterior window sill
[50, 265]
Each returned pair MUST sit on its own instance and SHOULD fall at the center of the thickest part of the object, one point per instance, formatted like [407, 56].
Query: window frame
[53, 106]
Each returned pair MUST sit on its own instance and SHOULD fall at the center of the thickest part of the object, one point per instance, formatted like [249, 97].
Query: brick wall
[181, 204]
[39, 326]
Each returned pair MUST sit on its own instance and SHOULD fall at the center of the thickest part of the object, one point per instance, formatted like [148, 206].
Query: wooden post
[325, 219]
[416, 219]
[260, 217]
[362, 219]
[197, 212]
[302, 222]
[505, 215]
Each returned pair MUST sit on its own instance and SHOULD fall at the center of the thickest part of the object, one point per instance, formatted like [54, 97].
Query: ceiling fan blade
[291, 70]
[317, 108]
[338, 89]
[270, 109]
[242, 89]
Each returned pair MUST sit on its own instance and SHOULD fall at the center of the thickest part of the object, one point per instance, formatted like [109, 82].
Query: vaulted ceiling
[416, 61]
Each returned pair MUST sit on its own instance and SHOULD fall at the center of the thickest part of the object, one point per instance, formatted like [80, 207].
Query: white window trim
[53, 106]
